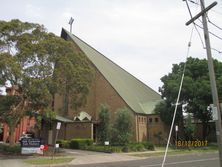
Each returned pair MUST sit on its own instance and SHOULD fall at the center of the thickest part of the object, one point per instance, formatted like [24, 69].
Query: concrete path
[80, 157]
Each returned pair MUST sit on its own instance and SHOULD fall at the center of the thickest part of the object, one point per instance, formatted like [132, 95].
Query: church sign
[31, 146]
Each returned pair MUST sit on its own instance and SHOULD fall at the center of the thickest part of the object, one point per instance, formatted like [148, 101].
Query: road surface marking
[181, 162]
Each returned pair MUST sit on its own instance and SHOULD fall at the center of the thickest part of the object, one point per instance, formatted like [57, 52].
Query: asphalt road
[192, 160]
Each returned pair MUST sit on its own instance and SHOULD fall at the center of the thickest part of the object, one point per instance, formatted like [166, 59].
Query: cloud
[144, 37]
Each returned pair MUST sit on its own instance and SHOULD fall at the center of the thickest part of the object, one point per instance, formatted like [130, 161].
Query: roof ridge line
[112, 62]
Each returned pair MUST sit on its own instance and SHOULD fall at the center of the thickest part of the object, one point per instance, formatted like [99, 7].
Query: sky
[142, 36]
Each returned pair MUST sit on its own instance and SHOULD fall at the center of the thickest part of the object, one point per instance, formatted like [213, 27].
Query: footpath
[80, 157]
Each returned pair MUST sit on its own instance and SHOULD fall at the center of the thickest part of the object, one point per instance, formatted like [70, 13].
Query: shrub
[116, 149]
[122, 128]
[107, 149]
[104, 127]
[133, 147]
[80, 143]
[16, 149]
[148, 145]
[63, 143]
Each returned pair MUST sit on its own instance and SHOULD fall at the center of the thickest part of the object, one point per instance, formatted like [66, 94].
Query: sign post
[176, 130]
[58, 126]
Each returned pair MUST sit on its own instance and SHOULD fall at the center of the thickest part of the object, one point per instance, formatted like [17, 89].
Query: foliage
[133, 147]
[189, 128]
[122, 128]
[195, 93]
[50, 161]
[80, 143]
[148, 145]
[38, 64]
[63, 143]
[16, 149]
[104, 124]
[86, 144]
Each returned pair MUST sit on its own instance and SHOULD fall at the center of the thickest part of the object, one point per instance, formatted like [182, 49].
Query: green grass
[160, 151]
[47, 161]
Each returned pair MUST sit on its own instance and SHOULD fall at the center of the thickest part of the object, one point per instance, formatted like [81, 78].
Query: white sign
[57, 145]
[106, 143]
[214, 112]
[58, 125]
[31, 150]
[176, 128]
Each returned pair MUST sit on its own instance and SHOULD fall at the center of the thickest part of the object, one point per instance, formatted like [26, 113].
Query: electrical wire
[196, 3]
[213, 24]
[178, 98]
[202, 5]
[209, 32]
[188, 7]
[196, 25]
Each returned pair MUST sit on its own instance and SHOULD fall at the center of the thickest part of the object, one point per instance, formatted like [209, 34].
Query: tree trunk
[11, 135]
[205, 130]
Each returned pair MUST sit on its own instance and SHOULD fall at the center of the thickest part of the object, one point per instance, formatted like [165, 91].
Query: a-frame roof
[139, 97]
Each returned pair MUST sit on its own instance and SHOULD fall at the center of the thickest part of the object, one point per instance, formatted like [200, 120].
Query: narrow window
[150, 120]
[156, 120]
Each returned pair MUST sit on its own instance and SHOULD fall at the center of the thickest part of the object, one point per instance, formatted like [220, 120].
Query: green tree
[195, 93]
[104, 124]
[189, 128]
[40, 65]
[122, 127]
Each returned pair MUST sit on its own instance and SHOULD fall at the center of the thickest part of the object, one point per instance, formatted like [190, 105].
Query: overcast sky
[142, 36]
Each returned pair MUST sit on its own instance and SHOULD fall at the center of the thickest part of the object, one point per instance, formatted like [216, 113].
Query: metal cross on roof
[70, 22]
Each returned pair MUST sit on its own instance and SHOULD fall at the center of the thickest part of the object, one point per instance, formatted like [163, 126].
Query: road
[191, 160]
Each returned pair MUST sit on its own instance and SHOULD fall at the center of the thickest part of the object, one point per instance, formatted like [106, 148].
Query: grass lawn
[159, 151]
[47, 161]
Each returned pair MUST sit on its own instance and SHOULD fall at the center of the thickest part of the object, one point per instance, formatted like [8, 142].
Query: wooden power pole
[211, 73]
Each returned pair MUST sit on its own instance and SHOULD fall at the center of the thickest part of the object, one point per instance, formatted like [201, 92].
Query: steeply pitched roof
[63, 119]
[139, 97]
[83, 116]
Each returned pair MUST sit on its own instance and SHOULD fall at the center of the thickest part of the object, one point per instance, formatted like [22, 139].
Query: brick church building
[115, 87]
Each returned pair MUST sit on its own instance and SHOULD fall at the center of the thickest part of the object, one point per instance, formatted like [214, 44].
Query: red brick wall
[155, 126]
[26, 124]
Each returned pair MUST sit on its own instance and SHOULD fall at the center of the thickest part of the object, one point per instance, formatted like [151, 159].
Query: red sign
[44, 147]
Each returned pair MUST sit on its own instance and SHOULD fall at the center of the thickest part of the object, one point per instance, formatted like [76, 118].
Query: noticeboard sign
[30, 142]
[31, 146]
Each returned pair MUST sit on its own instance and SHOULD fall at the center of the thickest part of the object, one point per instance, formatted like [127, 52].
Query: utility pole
[211, 73]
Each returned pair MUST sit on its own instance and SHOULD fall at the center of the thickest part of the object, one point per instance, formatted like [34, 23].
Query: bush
[133, 147]
[10, 149]
[116, 149]
[122, 128]
[148, 145]
[63, 143]
[107, 149]
[80, 143]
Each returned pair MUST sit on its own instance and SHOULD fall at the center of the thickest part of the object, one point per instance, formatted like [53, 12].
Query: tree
[122, 128]
[189, 128]
[195, 93]
[104, 124]
[40, 65]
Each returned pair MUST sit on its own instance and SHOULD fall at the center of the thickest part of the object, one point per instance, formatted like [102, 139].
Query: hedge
[80, 143]
[87, 144]
[16, 149]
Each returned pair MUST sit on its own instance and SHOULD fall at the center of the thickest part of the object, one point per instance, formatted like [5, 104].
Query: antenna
[70, 22]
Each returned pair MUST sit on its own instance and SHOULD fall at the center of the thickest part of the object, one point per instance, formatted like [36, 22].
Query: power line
[178, 98]
[188, 7]
[196, 3]
[196, 25]
[209, 32]
[213, 23]
[216, 50]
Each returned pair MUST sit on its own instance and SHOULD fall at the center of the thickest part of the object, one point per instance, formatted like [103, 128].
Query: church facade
[115, 87]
